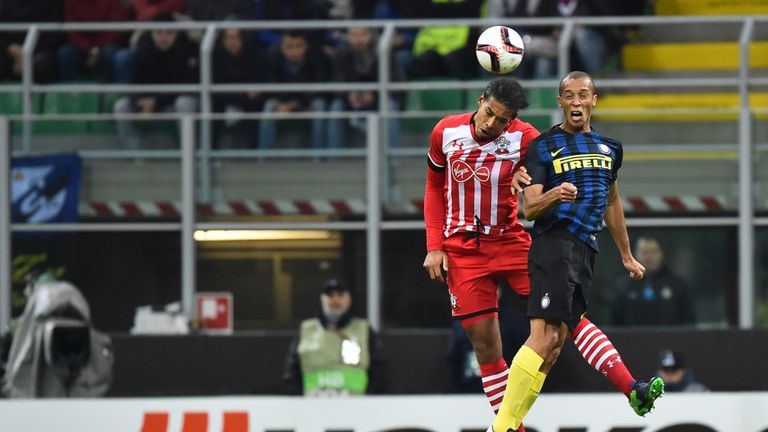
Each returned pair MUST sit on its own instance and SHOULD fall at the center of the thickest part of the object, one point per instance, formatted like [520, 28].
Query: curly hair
[507, 91]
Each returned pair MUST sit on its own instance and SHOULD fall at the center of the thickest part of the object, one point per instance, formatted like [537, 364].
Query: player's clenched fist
[566, 192]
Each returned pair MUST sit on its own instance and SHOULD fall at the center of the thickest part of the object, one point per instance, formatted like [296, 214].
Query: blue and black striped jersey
[587, 160]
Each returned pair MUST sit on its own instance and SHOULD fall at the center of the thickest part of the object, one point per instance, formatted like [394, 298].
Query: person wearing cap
[335, 353]
[676, 374]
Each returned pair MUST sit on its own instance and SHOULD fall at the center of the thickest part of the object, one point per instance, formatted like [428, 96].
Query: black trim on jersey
[433, 166]
[474, 314]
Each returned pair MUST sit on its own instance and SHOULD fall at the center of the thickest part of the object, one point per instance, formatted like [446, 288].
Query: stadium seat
[695, 7]
[67, 104]
[13, 104]
[106, 105]
[542, 98]
[690, 56]
[426, 100]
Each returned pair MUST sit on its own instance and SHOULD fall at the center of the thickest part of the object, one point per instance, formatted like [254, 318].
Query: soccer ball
[499, 49]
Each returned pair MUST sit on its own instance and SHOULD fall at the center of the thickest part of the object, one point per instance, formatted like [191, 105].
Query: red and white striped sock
[599, 352]
[494, 375]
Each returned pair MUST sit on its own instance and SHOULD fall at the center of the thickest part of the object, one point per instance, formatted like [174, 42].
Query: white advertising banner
[702, 412]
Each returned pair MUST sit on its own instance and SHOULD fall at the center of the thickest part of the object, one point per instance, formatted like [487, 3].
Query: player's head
[499, 104]
[577, 98]
[649, 252]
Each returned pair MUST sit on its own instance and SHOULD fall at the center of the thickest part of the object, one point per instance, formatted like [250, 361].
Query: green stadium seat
[66, 104]
[106, 106]
[13, 104]
[425, 100]
[542, 98]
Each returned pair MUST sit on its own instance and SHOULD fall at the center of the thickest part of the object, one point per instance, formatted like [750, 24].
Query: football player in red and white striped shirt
[470, 213]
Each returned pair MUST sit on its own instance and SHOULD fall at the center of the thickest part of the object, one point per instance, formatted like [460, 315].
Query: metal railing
[373, 225]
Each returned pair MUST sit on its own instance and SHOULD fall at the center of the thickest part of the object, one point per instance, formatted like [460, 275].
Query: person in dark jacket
[293, 61]
[236, 60]
[661, 298]
[162, 57]
[11, 43]
[219, 10]
[93, 52]
[356, 60]
[335, 353]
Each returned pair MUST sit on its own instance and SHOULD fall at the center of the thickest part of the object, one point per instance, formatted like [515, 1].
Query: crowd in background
[269, 56]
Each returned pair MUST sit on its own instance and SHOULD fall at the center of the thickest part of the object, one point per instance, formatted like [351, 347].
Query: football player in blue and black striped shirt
[572, 189]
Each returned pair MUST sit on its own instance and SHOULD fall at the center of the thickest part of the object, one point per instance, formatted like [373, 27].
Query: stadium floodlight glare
[239, 235]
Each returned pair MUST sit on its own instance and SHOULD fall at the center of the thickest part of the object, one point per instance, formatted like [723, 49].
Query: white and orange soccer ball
[499, 49]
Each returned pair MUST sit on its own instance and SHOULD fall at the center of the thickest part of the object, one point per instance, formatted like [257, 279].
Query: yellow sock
[533, 392]
[522, 374]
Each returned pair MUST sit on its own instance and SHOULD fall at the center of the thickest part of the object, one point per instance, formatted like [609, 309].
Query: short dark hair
[295, 34]
[576, 75]
[507, 91]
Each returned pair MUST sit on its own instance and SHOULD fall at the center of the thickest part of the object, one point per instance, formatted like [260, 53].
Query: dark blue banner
[45, 188]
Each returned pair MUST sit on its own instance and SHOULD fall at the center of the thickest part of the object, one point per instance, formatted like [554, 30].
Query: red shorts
[473, 271]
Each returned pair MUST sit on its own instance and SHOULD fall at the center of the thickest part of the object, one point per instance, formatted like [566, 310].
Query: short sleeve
[529, 134]
[618, 161]
[533, 163]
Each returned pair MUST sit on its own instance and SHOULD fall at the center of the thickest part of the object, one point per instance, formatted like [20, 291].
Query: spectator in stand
[162, 57]
[93, 52]
[444, 50]
[283, 10]
[236, 59]
[402, 41]
[661, 298]
[219, 10]
[147, 10]
[590, 44]
[44, 58]
[677, 376]
[356, 60]
[292, 61]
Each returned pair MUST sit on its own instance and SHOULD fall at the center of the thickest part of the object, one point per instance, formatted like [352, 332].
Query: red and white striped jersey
[478, 174]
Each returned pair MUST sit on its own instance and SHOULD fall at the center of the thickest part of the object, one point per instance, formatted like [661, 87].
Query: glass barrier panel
[276, 277]
[290, 177]
[117, 272]
[761, 277]
[691, 279]
[760, 140]
[116, 180]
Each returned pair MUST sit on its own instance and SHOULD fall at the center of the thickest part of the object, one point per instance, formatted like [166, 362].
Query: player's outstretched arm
[617, 226]
[536, 202]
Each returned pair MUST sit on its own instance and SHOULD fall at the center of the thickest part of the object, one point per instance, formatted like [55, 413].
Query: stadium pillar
[5, 226]
[373, 223]
[188, 215]
[746, 187]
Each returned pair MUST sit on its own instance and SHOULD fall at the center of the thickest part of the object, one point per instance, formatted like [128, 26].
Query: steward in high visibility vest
[335, 353]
